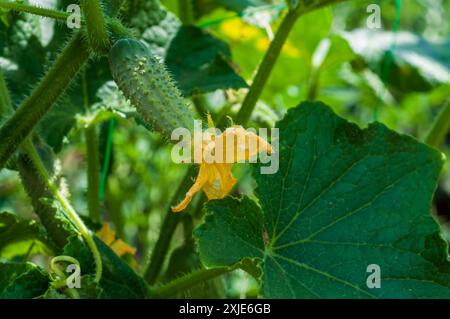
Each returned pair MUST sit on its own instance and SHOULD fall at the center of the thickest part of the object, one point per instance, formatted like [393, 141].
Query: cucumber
[145, 81]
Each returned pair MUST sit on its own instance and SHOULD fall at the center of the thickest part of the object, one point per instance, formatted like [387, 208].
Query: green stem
[67, 207]
[199, 104]
[96, 26]
[5, 99]
[117, 29]
[107, 158]
[266, 67]
[387, 63]
[186, 11]
[168, 227]
[72, 293]
[188, 228]
[57, 225]
[33, 184]
[44, 12]
[313, 84]
[19, 126]
[93, 172]
[113, 205]
[440, 127]
[187, 282]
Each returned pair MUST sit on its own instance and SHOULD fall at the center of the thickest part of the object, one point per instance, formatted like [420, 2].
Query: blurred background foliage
[400, 78]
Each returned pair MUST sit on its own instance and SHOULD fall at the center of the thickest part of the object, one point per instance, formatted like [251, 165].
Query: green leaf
[343, 199]
[22, 281]
[21, 46]
[200, 63]
[18, 235]
[241, 235]
[420, 62]
[118, 279]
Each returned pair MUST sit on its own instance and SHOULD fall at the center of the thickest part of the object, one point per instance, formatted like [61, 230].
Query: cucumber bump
[145, 81]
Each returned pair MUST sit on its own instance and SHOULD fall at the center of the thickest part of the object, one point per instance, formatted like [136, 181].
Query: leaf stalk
[19, 126]
[31, 152]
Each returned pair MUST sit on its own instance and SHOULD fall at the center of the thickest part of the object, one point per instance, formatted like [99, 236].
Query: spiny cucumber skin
[148, 85]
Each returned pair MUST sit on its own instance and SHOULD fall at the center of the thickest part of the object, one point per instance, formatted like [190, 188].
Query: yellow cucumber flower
[216, 155]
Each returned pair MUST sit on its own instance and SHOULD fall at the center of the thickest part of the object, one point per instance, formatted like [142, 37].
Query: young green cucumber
[147, 84]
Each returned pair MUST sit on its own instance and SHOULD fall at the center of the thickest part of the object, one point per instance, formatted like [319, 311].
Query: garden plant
[341, 110]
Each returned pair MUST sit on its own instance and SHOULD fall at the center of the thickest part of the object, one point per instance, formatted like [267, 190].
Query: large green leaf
[201, 63]
[18, 235]
[343, 199]
[22, 281]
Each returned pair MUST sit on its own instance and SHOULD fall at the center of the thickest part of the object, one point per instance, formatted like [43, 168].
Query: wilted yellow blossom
[108, 236]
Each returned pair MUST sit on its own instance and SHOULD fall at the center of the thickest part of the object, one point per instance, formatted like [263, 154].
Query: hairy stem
[5, 98]
[19, 126]
[93, 172]
[266, 67]
[56, 224]
[440, 127]
[313, 85]
[33, 155]
[44, 12]
[187, 282]
[168, 227]
[96, 26]
[117, 30]
[186, 11]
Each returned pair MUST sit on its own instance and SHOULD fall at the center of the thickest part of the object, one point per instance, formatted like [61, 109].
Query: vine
[93, 172]
[43, 12]
[96, 26]
[65, 204]
[19, 126]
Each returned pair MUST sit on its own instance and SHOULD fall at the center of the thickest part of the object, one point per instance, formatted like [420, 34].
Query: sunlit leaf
[19, 236]
[200, 63]
[343, 199]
